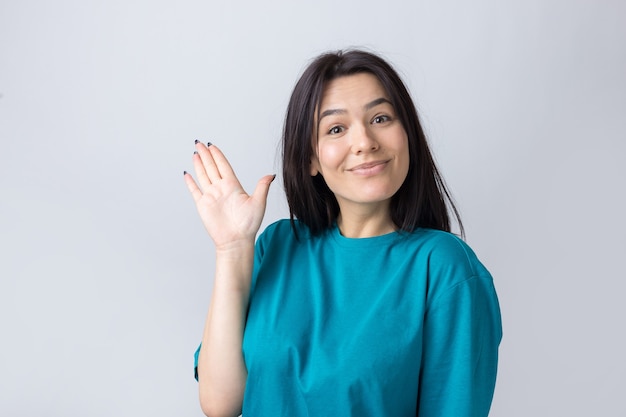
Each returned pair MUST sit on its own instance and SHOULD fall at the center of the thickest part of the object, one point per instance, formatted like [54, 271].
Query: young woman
[362, 303]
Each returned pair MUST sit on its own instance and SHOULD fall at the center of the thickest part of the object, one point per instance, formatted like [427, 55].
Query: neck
[365, 224]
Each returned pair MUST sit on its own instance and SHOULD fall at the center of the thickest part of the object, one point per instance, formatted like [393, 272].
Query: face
[361, 149]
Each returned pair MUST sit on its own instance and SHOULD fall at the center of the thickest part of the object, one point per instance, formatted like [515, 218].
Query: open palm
[228, 213]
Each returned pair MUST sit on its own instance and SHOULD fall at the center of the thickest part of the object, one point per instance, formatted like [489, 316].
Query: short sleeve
[462, 332]
[195, 362]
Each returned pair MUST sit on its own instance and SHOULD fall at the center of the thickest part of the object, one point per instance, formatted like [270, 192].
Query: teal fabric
[402, 324]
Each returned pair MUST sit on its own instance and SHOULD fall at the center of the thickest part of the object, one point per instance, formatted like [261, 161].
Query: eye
[335, 130]
[381, 119]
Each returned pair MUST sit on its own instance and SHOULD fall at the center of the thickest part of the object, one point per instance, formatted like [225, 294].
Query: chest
[337, 320]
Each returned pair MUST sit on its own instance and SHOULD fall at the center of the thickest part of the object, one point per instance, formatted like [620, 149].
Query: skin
[232, 219]
[362, 153]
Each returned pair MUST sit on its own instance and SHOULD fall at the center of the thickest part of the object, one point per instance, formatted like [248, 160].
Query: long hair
[423, 199]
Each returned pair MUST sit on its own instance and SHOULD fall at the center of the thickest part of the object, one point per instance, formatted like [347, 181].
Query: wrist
[237, 249]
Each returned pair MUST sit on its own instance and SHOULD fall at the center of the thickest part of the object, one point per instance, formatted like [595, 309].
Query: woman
[363, 303]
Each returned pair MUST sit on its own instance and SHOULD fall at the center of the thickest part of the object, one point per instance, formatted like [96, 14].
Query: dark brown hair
[422, 200]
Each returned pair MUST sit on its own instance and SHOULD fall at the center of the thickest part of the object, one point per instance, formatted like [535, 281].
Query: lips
[368, 165]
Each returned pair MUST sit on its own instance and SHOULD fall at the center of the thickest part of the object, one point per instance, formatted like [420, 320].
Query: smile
[369, 168]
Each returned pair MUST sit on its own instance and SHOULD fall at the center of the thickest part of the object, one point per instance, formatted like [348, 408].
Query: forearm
[232, 218]
[221, 369]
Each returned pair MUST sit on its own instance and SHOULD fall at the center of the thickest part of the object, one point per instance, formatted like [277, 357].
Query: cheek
[405, 159]
[329, 156]
[406, 163]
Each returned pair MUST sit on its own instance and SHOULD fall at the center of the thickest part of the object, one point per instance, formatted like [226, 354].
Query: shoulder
[444, 247]
[283, 232]
[284, 228]
[449, 260]
[278, 227]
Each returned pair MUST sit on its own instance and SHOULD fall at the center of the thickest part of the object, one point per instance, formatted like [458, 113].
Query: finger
[196, 194]
[210, 166]
[262, 188]
[221, 163]
[201, 174]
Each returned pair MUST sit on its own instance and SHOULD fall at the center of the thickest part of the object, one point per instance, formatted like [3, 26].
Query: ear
[315, 166]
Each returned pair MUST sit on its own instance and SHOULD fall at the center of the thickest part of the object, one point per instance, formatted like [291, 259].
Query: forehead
[352, 90]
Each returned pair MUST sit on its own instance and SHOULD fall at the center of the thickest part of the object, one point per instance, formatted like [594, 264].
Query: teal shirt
[402, 324]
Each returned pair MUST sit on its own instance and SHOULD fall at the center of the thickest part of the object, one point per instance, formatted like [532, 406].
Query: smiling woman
[363, 303]
[361, 151]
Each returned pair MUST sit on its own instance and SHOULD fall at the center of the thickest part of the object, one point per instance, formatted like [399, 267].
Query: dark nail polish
[195, 152]
[184, 172]
[209, 144]
[196, 142]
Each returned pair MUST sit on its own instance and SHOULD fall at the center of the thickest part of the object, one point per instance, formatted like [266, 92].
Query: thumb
[263, 187]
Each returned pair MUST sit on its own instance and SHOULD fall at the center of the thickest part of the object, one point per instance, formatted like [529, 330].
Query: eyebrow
[368, 106]
[376, 102]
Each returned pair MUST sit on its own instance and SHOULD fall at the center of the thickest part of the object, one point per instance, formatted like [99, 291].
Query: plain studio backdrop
[106, 270]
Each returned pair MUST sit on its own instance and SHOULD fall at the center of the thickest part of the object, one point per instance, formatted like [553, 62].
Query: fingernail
[197, 141]
[195, 152]
[209, 144]
[274, 177]
[184, 172]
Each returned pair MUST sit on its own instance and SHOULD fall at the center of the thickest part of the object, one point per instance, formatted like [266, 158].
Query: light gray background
[106, 270]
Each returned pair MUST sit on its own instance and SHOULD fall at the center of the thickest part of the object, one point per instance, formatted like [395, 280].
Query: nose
[363, 140]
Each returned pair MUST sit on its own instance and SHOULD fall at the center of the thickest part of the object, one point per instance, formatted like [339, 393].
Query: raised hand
[228, 213]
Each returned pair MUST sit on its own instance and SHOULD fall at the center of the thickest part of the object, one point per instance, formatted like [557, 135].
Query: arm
[462, 331]
[232, 219]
